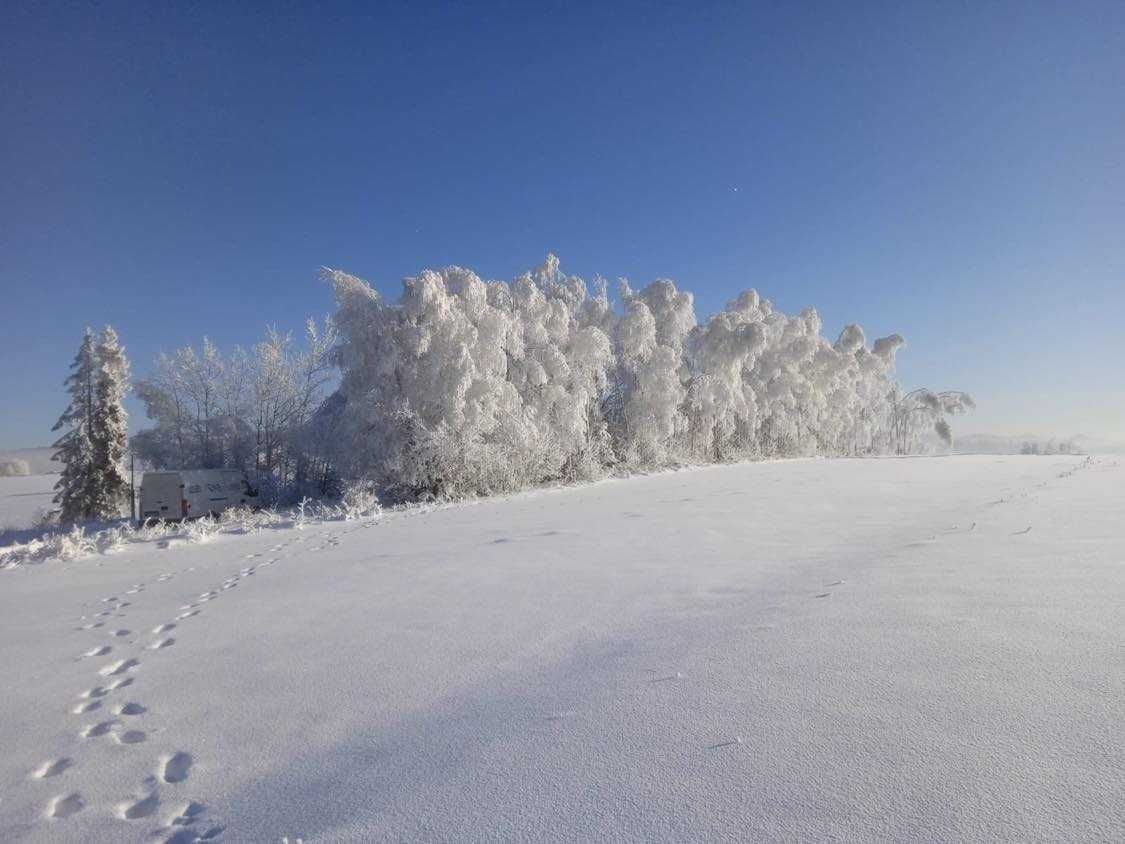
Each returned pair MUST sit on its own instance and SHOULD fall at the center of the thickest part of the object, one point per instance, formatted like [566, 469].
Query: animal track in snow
[101, 650]
[140, 808]
[163, 628]
[823, 595]
[97, 691]
[53, 768]
[188, 815]
[86, 706]
[131, 709]
[66, 805]
[120, 684]
[122, 632]
[176, 767]
[130, 737]
[119, 667]
[163, 643]
[187, 614]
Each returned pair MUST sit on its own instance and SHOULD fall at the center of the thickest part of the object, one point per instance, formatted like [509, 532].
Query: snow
[23, 498]
[889, 649]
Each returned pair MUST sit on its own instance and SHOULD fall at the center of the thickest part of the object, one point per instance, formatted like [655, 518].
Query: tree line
[467, 387]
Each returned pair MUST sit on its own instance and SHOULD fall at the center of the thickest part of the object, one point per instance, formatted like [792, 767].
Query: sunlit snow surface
[914, 648]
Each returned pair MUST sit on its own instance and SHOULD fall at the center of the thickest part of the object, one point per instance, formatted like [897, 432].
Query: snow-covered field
[879, 649]
[23, 498]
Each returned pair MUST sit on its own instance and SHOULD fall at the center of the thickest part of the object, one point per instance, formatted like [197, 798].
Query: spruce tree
[74, 449]
[92, 484]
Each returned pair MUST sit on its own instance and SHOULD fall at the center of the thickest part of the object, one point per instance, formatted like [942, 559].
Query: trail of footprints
[185, 825]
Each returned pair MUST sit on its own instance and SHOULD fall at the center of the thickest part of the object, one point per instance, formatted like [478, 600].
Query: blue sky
[953, 172]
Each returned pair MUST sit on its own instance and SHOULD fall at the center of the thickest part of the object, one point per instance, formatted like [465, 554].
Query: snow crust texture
[874, 649]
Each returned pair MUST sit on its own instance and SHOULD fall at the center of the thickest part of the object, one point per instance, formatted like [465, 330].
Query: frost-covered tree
[14, 468]
[92, 484]
[250, 410]
[922, 410]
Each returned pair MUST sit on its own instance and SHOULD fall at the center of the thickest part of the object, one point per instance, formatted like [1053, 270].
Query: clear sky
[953, 172]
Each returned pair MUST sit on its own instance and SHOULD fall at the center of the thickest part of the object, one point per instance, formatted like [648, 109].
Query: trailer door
[161, 495]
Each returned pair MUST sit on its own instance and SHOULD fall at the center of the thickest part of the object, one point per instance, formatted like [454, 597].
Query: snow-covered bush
[14, 468]
[200, 530]
[359, 500]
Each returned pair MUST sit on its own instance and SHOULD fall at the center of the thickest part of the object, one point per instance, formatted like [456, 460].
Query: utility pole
[132, 487]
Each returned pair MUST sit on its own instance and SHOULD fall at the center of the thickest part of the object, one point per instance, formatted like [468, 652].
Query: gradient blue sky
[953, 172]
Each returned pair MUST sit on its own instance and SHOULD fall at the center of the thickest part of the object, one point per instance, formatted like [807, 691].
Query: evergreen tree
[74, 449]
[92, 484]
[109, 434]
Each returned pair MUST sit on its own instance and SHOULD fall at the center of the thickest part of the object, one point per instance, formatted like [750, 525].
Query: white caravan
[185, 494]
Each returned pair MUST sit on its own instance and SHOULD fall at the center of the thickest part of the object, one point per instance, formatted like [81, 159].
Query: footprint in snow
[99, 729]
[65, 805]
[120, 684]
[187, 614]
[140, 808]
[163, 643]
[175, 768]
[122, 632]
[835, 583]
[188, 815]
[101, 650]
[131, 708]
[163, 628]
[823, 595]
[52, 768]
[86, 706]
[130, 737]
[187, 836]
[119, 667]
